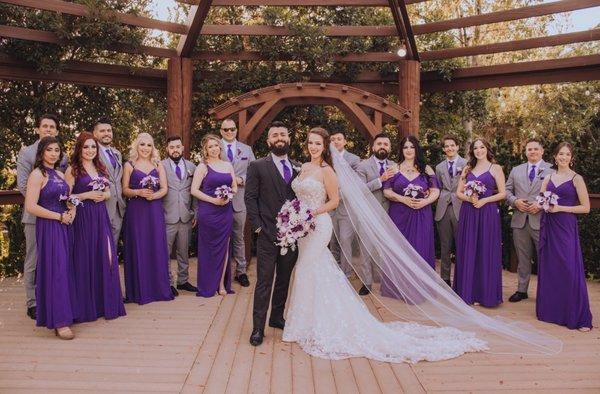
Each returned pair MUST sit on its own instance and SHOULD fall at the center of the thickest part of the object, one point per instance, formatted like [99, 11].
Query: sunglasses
[226, 129]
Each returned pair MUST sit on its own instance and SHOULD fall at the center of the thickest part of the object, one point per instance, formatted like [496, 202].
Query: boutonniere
[458, 171]
[296, 168]
[190, 173]
[239, 152]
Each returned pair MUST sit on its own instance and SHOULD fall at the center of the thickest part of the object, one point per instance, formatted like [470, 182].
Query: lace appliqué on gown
[329, 320]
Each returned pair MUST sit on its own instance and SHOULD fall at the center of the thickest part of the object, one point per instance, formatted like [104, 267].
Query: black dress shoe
[187, 286]
[364, 291]
[31, 312]
[518, 296]
[448, 282]
[242, 279]
[277, 323]
[126, 300]
[257, 337]
[174, 291]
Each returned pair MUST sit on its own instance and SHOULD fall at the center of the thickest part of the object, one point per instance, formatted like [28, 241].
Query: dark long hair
[39, 155]
[326, 155]
[76, 161]
[419, 154]
[472, 159]
[562, 145]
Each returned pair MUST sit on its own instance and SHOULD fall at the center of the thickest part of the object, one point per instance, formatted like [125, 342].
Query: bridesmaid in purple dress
[478, 273]
[412, 213]
[215, 219]
[562, 296]
[54, 288]
[96, 267]
[145, 236]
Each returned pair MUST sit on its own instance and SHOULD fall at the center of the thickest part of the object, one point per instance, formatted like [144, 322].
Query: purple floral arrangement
[414, 191]
[149, 182]
[473, 188]
[546, 199]
[71, 200]
[294, 221]
[225, 192]
[99, 184]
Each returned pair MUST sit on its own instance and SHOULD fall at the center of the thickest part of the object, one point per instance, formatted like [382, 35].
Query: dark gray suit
[242, 157]
[179, 212]
[447, 210]
[525, 226]
[266, 192]
[116, 203]
[342, 227]
[25, 163]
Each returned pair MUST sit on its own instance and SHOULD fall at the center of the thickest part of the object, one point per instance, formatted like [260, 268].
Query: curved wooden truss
[257, 109]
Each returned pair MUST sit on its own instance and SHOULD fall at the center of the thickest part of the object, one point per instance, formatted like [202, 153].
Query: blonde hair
[205, 140]
[133, 150]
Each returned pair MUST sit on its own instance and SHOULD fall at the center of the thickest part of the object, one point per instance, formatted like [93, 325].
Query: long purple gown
[214, 230]
[478, 273]
[562, 296]
[145, 239]
[95, 259]
[54, 287]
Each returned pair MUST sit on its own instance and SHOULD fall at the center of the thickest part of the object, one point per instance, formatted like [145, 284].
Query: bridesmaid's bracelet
[61, 218]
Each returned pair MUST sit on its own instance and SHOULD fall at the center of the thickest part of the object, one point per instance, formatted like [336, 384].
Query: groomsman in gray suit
[179, 211]
[47, 126]
[113, 161]
[523, 185]
[341, 242]
[448, 205]
[240, 155]
[374, 171]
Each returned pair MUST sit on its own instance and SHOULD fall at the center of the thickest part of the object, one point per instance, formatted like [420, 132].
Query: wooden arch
[257, 109]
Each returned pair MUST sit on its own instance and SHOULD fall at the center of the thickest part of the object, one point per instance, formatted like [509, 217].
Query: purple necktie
[450, 169]
[381, 169]
[287, 174]
[532, 173]
[178, 172]
[112, 158]
[229, 153]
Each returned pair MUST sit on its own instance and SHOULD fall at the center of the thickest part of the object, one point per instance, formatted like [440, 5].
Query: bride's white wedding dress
[328, 319]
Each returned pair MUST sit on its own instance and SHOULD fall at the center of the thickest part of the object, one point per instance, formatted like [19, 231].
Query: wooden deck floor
[201, 345]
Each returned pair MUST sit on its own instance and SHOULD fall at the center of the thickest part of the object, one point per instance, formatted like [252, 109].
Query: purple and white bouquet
[414, 191]
[224, 192]
[99, 184]
[294, 221]
[149, 182]
[71, 200]
[546, 199]
[474, 188]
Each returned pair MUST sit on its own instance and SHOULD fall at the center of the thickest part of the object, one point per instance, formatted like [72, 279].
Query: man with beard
[113, 161]
[374, 171]
[179, 211]
[268, 186]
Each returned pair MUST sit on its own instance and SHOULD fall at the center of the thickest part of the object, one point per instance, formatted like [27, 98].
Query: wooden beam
[83, 10]
[258, 56]
[301, 3]
[409, 95]
[196, 18]
[517, 45]
[329, 31]
[505, 16]
[402, 21]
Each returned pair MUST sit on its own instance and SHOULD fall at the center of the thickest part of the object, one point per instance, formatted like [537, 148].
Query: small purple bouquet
[414, 191]
[224, 192]
[474, 188]
[546, 199]
[71, 200]
[149, 182]
[294, 221]
[99, 184]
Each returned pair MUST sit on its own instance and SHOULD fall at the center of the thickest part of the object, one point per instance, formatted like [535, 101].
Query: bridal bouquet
[224, 192]
[294, 221]
[99, 184]
[72, 200]
[149, 182]
[546, 199]
[414, 191]
[474, 188]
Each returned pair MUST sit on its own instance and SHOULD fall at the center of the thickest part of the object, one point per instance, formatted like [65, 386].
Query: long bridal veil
[413, 291]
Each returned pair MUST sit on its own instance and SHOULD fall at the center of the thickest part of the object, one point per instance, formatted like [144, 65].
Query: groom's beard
[382, 154]
[280, 150]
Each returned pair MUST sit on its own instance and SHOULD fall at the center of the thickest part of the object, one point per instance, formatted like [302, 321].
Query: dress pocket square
[243, 158]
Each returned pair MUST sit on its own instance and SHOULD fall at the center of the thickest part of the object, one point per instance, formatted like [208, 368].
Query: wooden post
[409, 95]
[179, 100]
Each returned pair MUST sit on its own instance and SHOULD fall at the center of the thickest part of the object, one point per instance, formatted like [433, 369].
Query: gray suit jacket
[241, 159]
[353, 161]
[116, 203]
[518, 186]
[25, 163]
[368, 171]
[178, 202]
[448, 187]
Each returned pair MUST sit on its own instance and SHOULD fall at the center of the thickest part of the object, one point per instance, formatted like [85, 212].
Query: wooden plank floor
[197, 345]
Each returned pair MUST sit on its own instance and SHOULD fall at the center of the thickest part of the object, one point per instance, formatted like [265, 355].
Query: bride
[328, 319]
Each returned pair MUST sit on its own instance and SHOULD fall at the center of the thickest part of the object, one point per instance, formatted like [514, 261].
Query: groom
[268, 186]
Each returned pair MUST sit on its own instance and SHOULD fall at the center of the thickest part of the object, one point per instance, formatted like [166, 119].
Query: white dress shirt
[233, 147]
[277, 161]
